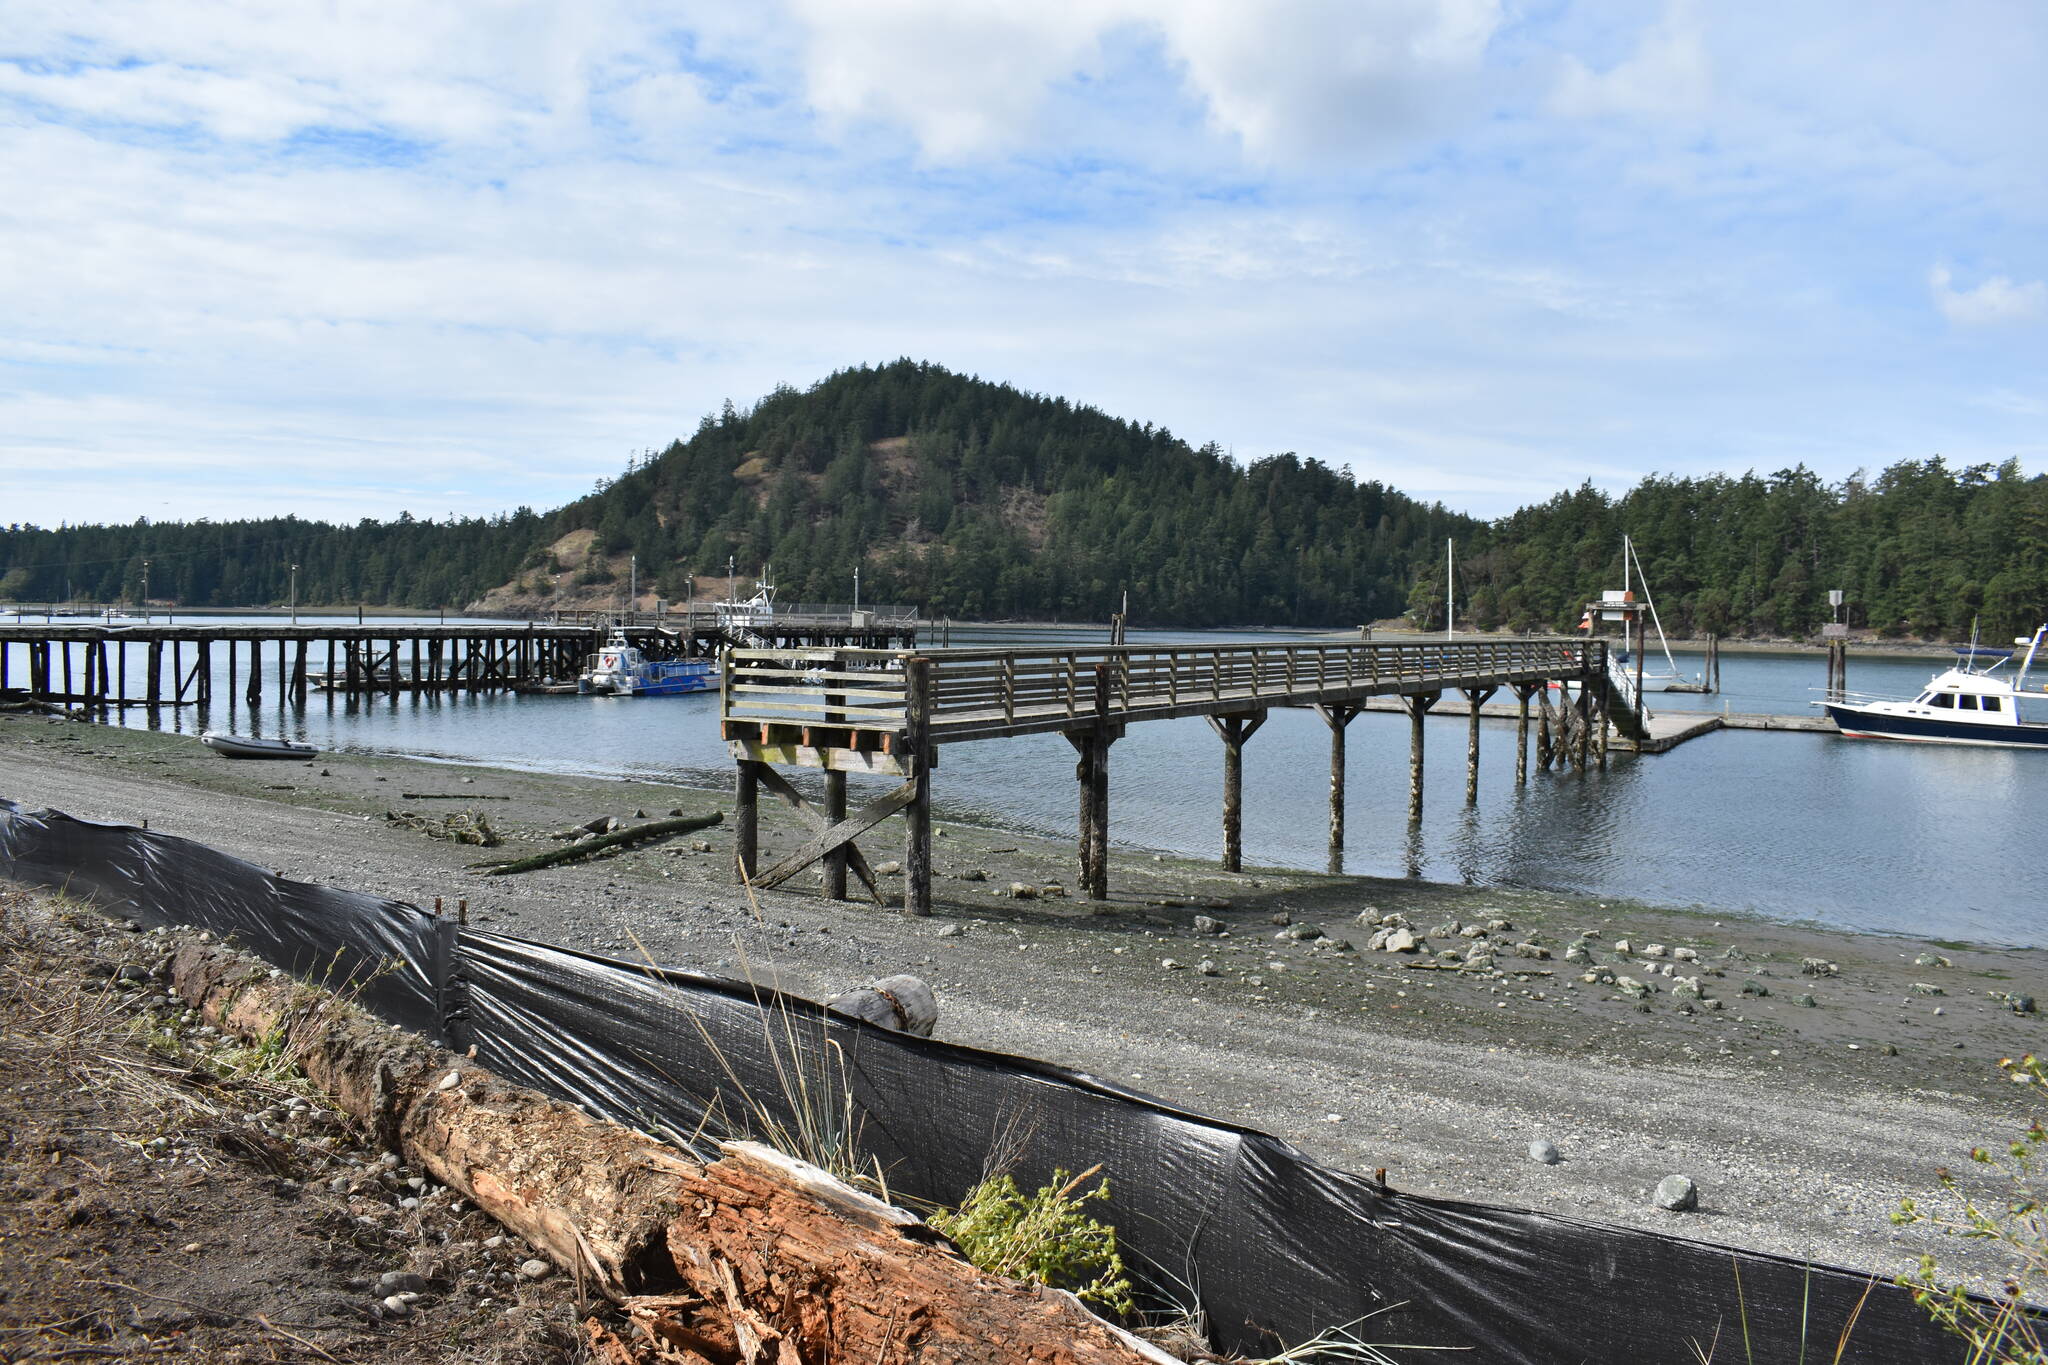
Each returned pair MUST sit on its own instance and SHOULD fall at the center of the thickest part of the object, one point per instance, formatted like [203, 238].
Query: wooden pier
[879, 711]
[101, 666]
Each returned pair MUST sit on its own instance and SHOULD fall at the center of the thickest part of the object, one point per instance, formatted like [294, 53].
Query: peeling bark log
[755, 1259]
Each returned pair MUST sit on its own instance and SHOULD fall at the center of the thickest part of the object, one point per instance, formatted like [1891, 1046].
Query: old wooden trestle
[879, 711]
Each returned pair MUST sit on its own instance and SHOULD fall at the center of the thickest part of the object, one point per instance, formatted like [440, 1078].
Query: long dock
[1663, 731]
[101, 665]
[892, 712]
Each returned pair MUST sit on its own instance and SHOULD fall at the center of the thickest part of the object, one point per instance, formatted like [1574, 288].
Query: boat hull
[235, 746]
[1856, 722]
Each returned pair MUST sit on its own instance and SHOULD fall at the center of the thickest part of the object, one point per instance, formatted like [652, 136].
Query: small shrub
[2000, 1332]
[1044, 1238]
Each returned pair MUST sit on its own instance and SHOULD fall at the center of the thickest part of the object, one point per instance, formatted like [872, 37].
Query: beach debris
[463, 827]
[900, 1004]
[1932, 960]
[1818, 966]
[1677, 1193]
[1734, 954]
[1926, 988]
[651, 832]
[1544, 1151]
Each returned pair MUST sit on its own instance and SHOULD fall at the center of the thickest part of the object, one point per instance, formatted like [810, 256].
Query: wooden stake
[746, 820]
[917, 815]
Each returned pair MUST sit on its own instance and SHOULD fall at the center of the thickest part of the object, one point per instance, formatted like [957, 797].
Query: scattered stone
[1170, 964]
[950, 931]
[1889, 1050]
[534, 1269]
[892, 868]
[1335, 945]
[1927, 988]
[1401, 941]
[1448, 929]
[1532, 950]
[700, 846]
[1480, 961]
[1734, 954]
[1301, 933]
[1755, 988]
[2021, 1004]
[1449, 955]
[1545, 1151]
[1472, 931]
[1806, 1002]
[1207, 967]
[402, 1282]
[637, 815]
[1632, 988]
[1282, 917]
[1818, 966]
[1932, 960]
[1684, 954]
[1654, 950]
[1397, 920]
[1621, 945]
[394, 1306]
[1677, 1193]
[1023, 891]
[1499, 926]
[1686, 988]
[1204, 925]
[1576, 952]
[974, 874]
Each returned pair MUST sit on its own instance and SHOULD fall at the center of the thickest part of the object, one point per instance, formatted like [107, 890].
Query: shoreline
[1802, 1130]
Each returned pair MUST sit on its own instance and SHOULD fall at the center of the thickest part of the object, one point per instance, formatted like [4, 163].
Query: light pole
[295, 594]
[732, 579]
[856, 587]
[145, 590]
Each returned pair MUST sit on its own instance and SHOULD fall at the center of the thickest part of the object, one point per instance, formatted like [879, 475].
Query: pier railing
[986, 693]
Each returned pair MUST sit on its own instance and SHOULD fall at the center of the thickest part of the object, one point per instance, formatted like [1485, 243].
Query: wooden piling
[1475, 697]
[1522, 693]
[1338, 718]
[746, 820]
[67, 670]
[1417, 705]
[156, 672]
[299, 673]
[917, 816]
[1234, 730]
[254, 696]
[835, 811]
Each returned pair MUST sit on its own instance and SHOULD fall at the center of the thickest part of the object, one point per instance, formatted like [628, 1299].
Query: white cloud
[1288, 80]
[1995, 300]
[1669, 74]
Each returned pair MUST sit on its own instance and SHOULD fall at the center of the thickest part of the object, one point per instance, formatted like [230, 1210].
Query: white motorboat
[1967, 704]
[246, 746]
[622, 669]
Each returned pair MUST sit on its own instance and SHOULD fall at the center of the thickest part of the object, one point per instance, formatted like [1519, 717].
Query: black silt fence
[1277, 1247]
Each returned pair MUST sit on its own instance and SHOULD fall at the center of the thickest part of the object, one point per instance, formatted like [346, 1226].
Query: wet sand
[1802, 1122]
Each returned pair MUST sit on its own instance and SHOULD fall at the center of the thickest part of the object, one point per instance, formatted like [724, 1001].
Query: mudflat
[1815, 1078]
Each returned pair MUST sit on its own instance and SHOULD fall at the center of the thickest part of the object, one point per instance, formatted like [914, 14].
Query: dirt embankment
[1804, 1105]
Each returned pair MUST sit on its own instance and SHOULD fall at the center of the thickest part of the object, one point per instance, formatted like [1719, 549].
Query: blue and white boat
[621, 669]
[1967, 704]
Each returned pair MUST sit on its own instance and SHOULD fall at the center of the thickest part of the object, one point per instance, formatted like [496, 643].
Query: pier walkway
[892, 712]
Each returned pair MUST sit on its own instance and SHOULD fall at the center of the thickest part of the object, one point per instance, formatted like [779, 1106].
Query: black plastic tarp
[1274, 1246]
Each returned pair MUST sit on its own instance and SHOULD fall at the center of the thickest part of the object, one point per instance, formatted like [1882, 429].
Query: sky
[347, 259]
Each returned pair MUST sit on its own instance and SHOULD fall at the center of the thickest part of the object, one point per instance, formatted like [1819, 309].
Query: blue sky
[350, 259]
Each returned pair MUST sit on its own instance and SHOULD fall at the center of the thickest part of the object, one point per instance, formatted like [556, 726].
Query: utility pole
[633, 585]
[856, 587]
[295, 594]
[145, 590]
[732, 579]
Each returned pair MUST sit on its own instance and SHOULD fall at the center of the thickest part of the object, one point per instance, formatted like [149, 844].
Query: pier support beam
[1417, 705]
[746, 820]
[835, 811]
[1235, 730]
[1475, 697]
[1523, 691]
[1338, 718]
[1092, 775]
[1838, 669]
[917, 816]
[255, 693]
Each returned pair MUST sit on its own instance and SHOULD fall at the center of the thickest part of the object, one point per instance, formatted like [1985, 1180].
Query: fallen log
[652, 831]
[754, 1259]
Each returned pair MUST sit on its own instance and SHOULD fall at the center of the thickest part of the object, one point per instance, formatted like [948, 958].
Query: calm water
[1930, 841]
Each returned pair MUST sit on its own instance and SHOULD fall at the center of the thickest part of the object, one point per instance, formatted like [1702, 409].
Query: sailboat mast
[1450, 592]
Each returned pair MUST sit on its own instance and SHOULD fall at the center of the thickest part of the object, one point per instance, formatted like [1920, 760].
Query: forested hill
[967, 498]
[973, 500]
[1920, 550]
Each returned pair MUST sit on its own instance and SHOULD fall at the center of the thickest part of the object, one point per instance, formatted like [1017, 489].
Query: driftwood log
[754, 1259]
[901, 1004]
[589, 848]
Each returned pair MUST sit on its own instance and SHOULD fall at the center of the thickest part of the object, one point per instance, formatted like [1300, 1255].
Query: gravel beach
[1803, 1098]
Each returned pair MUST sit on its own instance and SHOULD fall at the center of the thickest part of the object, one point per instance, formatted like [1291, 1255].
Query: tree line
[976, 500]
